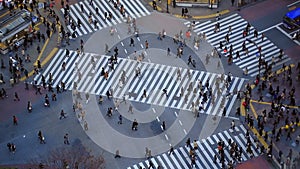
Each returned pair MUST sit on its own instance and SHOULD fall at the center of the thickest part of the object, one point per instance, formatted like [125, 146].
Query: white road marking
[288, 35]
[269, 28]
[180, 122]
[176, 114]
[293, 4]
[166, 137]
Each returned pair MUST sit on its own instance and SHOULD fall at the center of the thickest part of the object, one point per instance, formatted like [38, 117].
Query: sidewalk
[224, 7]
[46, 49]
[259, 162]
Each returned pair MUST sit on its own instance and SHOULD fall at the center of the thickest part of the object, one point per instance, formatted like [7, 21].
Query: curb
[223, 12]
[213, 15]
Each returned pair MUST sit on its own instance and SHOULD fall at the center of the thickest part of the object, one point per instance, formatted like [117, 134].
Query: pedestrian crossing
[207, 149]
[236, 39]
[153, 78]
[133, 8]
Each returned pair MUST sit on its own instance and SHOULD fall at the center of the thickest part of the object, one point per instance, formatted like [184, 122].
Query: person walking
[171, 151]
[1, 79]
[109, 112]
[13, 147]
[193, 161]
[232, 125]
[188, 142]
[229, 30]
[38, 90]
[62, 114]
[87, 97]
[66, 139]
[130, 109]
[137, 72]
[29, 107]
[190, 60]
[144, 93]
[146, 152]
[117, 155]
[16, 97]
[178, 74]
[146, 45]
[131, 42]
[151, 165]
[120, 119]
[9, 146]
[15, 120]
[165, 91]
[232, 2]
[41, 137]
[134, 125]
[108, 94]
[117, 105]
[106, 48]
[262, 36]
[163, 125]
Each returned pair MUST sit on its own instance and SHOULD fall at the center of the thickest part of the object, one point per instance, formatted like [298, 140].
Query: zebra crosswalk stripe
[181, 159]
[100, 22]
[114, 13]
[212, 155]
[206, 151]
[161, 76]
[154, 77]
[133, 8]
[85, 15]
[161, 71]
[238, 24]
[168, 162]
[82, 16]
[161, 162]
[50, 66]
[142, 7]
[129, 7]
[101, 12]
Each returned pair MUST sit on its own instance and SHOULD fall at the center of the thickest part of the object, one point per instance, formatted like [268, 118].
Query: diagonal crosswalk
[153, 78]
[133, 8]
[207, 149]
[236, 39]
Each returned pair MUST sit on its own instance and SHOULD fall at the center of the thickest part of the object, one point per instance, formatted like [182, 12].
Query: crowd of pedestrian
[106, 16]
[280, 120]
[17, 67]
[20, 55]
[232, 53]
